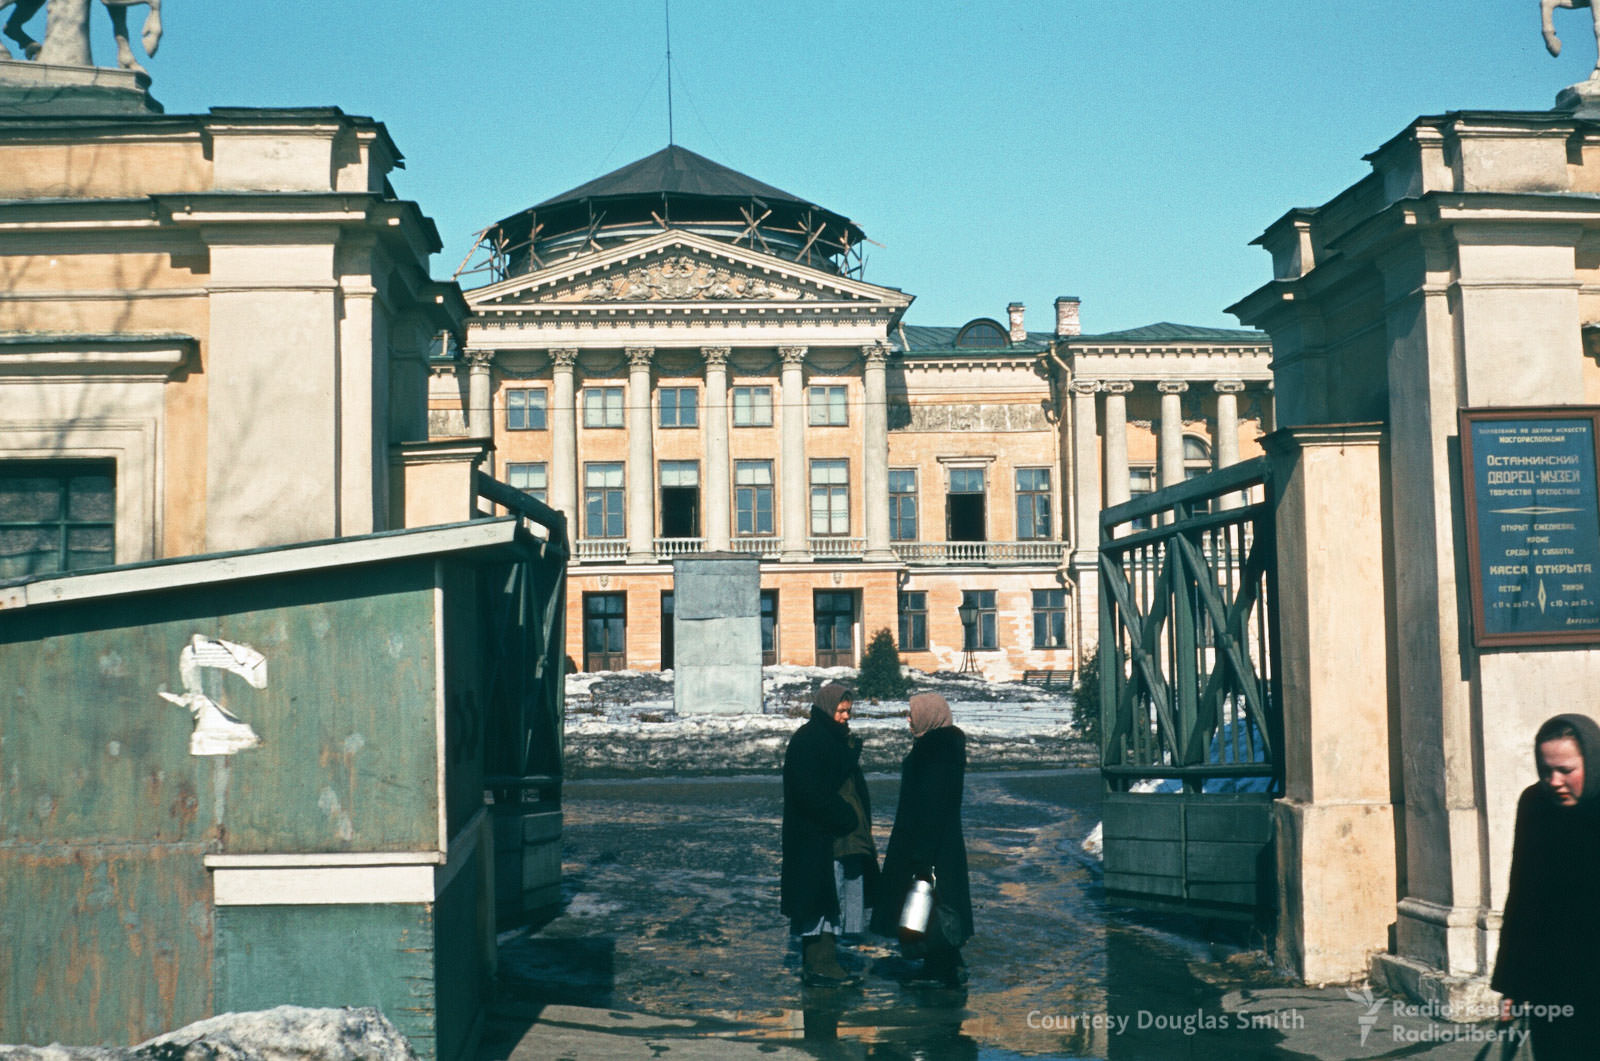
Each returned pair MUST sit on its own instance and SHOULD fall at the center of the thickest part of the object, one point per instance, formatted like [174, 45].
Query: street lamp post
[969, 627]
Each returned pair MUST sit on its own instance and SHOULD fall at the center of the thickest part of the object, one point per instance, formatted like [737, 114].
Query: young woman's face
[1561, 768]
[841, 713]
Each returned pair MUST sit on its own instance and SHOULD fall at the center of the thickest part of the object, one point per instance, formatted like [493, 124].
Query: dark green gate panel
[125, 947]
[336, 955]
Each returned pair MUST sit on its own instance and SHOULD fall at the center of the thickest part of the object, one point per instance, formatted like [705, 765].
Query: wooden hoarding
[1533, 524]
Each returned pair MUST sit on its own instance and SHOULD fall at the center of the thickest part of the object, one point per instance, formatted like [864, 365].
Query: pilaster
[641, 458]
[564, 437]
[875, 452]
[792, 455]
[718, 472]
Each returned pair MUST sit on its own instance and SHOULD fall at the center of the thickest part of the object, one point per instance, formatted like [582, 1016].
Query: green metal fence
[1191, 716]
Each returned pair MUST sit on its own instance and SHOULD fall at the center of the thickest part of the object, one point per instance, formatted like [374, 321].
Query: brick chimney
[1019, 333]
[1067, 323]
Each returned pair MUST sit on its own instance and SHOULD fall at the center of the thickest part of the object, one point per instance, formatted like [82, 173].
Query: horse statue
[1552, 42]
[66, 38]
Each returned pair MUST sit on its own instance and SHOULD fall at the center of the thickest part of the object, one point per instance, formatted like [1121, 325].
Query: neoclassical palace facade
[683, 359]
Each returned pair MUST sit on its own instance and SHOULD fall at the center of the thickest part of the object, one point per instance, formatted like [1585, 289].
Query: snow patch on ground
[622, 724]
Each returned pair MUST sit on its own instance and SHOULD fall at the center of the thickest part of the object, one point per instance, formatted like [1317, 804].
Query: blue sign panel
[1535, 525]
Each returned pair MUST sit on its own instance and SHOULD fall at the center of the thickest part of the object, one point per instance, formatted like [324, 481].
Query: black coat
[927, 830]
[819, 759]
[1551, 928]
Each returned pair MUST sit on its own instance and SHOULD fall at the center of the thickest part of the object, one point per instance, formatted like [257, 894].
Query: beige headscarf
[929, 711]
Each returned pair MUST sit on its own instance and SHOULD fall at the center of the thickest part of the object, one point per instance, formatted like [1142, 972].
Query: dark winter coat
[1551, 929]
[927, 830]
[821, 756]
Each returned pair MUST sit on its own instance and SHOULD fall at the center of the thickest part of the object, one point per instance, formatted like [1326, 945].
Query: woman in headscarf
[1550, 932]
[830, 864]
[926, 841]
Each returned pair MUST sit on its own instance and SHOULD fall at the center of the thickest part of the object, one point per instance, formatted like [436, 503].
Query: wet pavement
[670, 943]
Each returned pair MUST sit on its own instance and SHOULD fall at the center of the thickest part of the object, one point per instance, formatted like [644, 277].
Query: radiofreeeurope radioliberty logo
[1369, 1019]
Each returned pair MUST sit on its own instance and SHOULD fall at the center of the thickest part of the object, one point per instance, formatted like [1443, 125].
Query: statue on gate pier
[66, 39]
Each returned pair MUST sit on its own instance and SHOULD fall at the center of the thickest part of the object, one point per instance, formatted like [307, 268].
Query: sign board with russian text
[1533, 524]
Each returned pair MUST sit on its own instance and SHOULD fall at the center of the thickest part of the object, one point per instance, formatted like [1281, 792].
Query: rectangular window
[602, 501]
[1033, 503]
[828, 406]
[752, 498]
[769, 628]
[913, 621]
[531, 479]
[602, 407]
[680, 407]
[1141, 481]
[680, 499]
[903, 504]
[752, 407]
[983, 634]
[57, 516]
[830, 498]
[1049, 618]
[605, 631]
[525, 410]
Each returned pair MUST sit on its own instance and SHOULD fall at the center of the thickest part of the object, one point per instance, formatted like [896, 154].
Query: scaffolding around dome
[671, 189]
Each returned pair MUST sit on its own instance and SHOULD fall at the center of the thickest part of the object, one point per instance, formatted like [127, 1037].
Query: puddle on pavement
[671, 908]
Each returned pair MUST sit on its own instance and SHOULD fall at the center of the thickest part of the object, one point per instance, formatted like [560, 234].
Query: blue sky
[998, 152]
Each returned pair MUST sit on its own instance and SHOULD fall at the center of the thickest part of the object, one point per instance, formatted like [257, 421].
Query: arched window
[983, 333]
[1195, 449]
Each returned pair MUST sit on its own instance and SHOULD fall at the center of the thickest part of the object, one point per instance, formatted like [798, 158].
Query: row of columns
[564, 492]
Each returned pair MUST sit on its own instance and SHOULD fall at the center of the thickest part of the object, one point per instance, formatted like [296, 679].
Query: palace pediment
[679, 268]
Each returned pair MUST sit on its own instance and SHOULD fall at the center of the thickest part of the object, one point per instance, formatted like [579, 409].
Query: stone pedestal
[716, 634]
[1335, 824]
[54, 90]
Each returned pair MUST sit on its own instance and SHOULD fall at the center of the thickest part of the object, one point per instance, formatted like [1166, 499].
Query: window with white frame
[526, 409]
[827, 405]
[1050, 618]
[903, 504]
[1033, 503]
[602, 407]
[752, 406]
[603, 500]
[752, 498]
[532, 478]
[680, 407]
[830, 498]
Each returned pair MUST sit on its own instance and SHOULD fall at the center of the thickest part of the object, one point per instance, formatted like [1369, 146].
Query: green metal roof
[923, 339]
[1167, 332]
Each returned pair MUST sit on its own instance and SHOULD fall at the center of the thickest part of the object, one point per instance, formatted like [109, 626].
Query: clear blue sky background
[1001, 151]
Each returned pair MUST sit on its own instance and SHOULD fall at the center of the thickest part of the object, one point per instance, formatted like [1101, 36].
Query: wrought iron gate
[1191, 715]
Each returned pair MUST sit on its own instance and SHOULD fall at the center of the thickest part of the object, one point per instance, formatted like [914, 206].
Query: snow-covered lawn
[622, 723]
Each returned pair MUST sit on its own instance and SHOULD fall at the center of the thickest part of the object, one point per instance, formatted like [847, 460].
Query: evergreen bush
[881, 678]
[1086, 698]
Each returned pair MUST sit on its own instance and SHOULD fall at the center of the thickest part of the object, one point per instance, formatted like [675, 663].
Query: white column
[480, 415]
[718, 473]
[564, 491]
[792, 471]
[1116, 440]
[1086, 470]
[1169, 453]
[875, 452]
[641, 458]
[1225, 446]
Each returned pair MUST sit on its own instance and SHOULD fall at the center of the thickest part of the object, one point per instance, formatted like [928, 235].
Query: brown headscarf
[929, 711]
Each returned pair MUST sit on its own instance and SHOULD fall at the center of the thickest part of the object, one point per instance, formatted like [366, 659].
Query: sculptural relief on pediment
[679, 278]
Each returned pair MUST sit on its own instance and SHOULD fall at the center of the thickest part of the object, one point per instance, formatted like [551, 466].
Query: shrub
[1086, 698]
[881, 678]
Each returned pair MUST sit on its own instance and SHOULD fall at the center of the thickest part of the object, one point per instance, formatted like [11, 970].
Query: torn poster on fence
[217, 731]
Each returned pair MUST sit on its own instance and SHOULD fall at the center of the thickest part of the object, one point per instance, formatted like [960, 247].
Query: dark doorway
[769, 628]
[835, 615]
[964, 506]
[680, 512]
[605, 631]
[666, 630]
